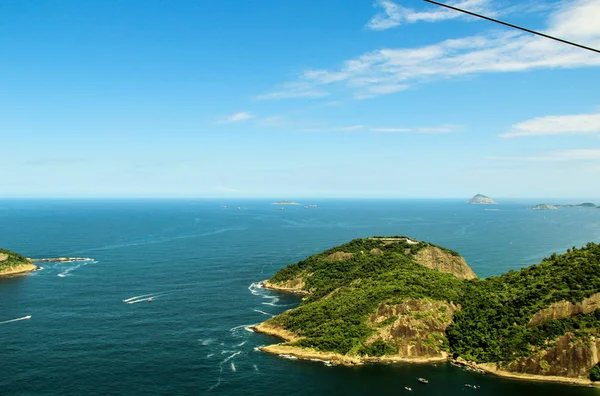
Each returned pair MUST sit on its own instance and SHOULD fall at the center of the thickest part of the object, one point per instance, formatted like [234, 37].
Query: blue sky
[298, 98]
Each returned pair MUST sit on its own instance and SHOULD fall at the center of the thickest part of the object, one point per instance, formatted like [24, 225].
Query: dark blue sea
[200, 262]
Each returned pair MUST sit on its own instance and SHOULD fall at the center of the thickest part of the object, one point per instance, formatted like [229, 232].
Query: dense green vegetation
[12, 259]
[490, 327]
[595, 373]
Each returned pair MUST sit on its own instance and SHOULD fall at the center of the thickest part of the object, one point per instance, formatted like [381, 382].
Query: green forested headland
[348, 284]
[9, 259]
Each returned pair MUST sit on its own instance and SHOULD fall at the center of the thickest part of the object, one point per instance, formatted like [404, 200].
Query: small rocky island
[588, 205]
[396, 299]
[480, 199]
[544, 207]
[285, 203]
[12, 264]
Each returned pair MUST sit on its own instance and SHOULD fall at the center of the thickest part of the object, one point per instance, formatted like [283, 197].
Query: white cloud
[556, 156]
[293, 90]
[393, 15]
[557, 125]
[237, 117]
[391, 70]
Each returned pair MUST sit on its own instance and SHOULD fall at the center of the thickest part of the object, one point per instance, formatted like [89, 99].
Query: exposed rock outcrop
[569, 357]
[416, 327]
[340, 256]
[435, 258]
[295, 285]
[565, 309]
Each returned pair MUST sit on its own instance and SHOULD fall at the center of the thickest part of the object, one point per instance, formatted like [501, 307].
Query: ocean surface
[201, 263]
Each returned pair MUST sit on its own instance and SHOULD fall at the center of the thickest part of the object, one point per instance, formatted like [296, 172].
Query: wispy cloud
[293, 90]
[355, 128]
[392, 14]
[557, 125]
[237, 117]
[348, 128]
[391, 70]
[425, 130]
[555, 156]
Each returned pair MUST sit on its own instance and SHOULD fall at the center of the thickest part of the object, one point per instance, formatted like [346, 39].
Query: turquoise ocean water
[200, 261]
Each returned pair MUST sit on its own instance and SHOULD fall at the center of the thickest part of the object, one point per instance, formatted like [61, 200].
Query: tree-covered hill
[376, 297]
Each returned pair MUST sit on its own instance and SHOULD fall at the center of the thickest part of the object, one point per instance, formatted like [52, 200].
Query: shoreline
[333, 358]
[330, 358]
[293, 290]
[21, 269]
[492, 368]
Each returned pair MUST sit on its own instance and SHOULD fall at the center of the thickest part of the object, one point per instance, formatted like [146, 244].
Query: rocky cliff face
[295, 285]
[435, 258]
[570, 357]
[416, 328]
[565, 309]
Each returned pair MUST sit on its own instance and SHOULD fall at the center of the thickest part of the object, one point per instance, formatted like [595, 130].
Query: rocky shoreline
[334, 359]
[21, 269]
[329, 358]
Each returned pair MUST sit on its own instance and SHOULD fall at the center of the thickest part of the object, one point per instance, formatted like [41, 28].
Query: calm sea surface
[200, 262]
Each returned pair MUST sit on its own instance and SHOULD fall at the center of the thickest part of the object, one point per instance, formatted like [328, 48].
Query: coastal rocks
[13, 264]
[295, 285]
[480, 199]
[565, 309]
[19, 269]
[435, 258]
[570, 357]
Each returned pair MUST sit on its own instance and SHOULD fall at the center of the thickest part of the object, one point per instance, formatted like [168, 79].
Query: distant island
[554, 207]
[12, 263]
[480, 199]
[396, 299]
[285, 203]
[544, 207]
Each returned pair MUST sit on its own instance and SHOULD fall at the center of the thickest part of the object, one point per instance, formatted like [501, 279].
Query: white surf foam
[263, 312]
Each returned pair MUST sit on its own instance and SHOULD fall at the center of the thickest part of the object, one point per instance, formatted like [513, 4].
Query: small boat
[468, 385]
[408, 388]
[422, 380]
[150, 299]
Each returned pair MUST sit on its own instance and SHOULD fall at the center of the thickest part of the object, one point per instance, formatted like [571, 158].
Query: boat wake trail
[145, 297]
[228, 358]
[82, 263]
[17, 319]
